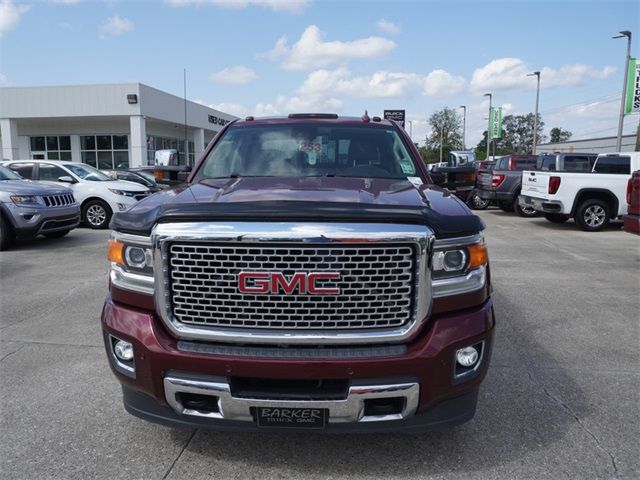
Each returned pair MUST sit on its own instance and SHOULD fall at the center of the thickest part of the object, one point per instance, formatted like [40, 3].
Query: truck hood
[303, 199]
[28, 187]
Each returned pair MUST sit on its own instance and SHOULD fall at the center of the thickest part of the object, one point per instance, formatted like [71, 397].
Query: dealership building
[107, 126]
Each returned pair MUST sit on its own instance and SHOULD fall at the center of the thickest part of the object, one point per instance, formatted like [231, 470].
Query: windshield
[309, 151]
[8, 174]
[147, 176]
[85, 172]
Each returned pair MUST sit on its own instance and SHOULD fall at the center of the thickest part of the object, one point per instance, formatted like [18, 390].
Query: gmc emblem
[277, 282]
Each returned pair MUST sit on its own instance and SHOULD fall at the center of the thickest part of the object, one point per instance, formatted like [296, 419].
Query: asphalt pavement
[561, 399]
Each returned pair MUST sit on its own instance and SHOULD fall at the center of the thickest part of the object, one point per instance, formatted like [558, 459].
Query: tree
[517, 136]
[446, 127]
[559, 134]
[517, 133]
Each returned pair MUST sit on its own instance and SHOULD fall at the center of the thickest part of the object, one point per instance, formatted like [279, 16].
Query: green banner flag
[495, 122]
[632, 104]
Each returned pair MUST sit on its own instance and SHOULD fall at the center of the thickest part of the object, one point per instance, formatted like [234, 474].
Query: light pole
[489, 124]
[624, 33]
[441, 139]
[535, 119]
[410, 128]
[464, 126]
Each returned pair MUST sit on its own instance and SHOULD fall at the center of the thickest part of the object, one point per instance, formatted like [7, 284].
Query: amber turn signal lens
[115, 251]
[478, 255]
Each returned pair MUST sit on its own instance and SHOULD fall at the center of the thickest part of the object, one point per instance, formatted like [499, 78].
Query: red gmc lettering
[277, 282]
[297, 282]
[260, 282]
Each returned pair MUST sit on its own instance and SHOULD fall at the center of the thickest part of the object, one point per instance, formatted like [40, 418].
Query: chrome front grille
[59, 200]
[377, 286]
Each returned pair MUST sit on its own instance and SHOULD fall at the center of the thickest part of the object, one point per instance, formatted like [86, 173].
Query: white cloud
[114, 26]
[311, 51]
[440, 83]
[505, 74]
[290, 6]
[236, 75]
[388, 27]
[10, 15]
[4, 81]
[65, 2]
[380, 84]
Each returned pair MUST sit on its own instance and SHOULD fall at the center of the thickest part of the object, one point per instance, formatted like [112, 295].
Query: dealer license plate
[292, 417]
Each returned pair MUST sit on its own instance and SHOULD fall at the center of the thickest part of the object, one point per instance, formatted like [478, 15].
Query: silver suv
[29, 209]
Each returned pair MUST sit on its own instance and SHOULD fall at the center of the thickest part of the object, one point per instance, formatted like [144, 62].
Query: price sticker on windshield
[310, 147]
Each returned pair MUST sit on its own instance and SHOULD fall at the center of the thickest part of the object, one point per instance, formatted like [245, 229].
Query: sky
[274, 57]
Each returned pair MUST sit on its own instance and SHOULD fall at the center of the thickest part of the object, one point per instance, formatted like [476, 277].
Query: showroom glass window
[105, 152]
[155, 142]
[51, 147]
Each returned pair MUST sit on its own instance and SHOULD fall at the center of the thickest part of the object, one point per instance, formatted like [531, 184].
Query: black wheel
[96, 214]
[505, 206]
[526, 211]
[592, 215]
[58, 234]
[556, 217]
[476, 202]
[7, 235]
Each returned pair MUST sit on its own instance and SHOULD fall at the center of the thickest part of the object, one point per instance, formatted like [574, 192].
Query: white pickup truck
[591, 198]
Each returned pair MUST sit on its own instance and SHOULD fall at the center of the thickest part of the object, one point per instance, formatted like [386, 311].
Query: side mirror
[66, 179]
[438, 178]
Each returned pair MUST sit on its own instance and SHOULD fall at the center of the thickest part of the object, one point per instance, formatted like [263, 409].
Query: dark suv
[504, 184]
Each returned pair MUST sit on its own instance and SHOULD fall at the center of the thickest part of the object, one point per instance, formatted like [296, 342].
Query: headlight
[459, 266]
[131, 260]
[25, 199]
[116, 191]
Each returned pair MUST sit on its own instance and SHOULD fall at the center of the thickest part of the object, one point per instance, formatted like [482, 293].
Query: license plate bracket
[285, 417]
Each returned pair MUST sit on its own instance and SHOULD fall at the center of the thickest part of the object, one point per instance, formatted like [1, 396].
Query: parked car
[504, 183]
[632, 218]
[566, 162]
[302, 286]
[591, 198]
[146, 179]
[98, 194]
[29, 209]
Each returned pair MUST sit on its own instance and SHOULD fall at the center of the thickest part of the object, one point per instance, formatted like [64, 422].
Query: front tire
[96, 214]
[556, 217]
[527, 212]
[7, 235]
[58, 234]
[592, 215]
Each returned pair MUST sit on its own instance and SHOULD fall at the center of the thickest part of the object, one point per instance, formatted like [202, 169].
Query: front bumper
[29, 221]
[422, 371]
[541, 205]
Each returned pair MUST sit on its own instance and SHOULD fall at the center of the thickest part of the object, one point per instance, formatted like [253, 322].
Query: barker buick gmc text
[307, 276]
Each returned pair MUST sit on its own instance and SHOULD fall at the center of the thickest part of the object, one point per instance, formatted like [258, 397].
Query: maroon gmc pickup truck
[307, 276]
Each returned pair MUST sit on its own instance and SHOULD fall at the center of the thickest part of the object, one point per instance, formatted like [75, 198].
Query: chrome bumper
[347, 410]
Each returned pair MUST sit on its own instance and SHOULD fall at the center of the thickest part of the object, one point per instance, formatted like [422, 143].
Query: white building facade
[106, 126]
[592, 145]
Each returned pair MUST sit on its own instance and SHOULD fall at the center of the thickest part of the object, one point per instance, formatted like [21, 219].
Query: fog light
[467, 356]
[123, 350]
[122, 207]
